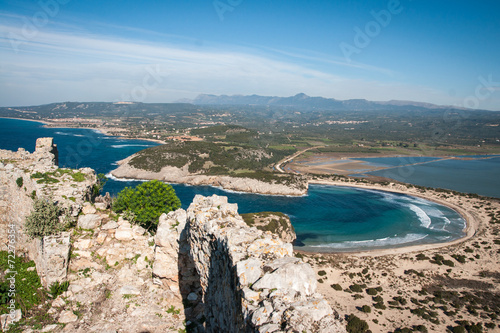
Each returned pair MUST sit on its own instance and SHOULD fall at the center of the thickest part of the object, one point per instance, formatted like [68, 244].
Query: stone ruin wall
[51, 254]
[234, 278]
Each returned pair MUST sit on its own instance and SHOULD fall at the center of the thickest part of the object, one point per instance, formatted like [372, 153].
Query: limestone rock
[249, 270]
[88, 209]
[276, 223]
[225, 253]
[101, 206]
[165, 264]
[84, 244]
[138, 230]
[124, 234]
[299, 277]
[10, 318]
[129, 290]
[67, 317]
[110, 225]
[90, 221]
[52, 258]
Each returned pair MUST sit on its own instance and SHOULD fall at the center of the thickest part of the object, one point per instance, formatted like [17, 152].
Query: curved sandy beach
[472, 220]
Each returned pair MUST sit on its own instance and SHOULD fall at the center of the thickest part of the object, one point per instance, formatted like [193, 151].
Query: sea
[327, 219]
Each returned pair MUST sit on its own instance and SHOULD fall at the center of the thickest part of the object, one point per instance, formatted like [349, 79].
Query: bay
[328, 218]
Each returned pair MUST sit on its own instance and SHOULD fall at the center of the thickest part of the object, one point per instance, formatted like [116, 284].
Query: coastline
[410, 281]
[177, 175]
[472, 222]
[102, 130]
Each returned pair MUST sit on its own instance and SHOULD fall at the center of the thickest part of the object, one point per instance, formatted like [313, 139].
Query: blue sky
[443, 52]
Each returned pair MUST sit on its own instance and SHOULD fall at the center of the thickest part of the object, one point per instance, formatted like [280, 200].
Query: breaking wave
[130, 145]
[382, 242]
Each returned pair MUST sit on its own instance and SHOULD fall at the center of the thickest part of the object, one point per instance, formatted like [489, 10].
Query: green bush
[147, 202]
[19, 181]
[336, 286]
[356, 288]
[43, 220]
[321, 273]
[366, 309]
[356, 325]
[448, 263]
[57, 288]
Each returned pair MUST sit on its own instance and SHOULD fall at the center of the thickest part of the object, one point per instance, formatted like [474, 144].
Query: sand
[402, 276]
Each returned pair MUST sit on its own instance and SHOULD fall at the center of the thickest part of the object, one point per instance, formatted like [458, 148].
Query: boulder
[299, 277]
[67, 317]
[10, 318]
[90, 221]
[124, 234]
[110, 225]
[88, 209]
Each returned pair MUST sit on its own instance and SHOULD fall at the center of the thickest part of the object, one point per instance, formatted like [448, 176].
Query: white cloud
[54, 66]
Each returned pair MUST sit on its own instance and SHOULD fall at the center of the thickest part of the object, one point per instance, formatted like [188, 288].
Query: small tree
[101, 181]
[147, 202]
[43, 220]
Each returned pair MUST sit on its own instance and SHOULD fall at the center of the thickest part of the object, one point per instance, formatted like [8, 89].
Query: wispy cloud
[57, 65]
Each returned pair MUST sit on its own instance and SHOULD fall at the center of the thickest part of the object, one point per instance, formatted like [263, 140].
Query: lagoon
[329, 218]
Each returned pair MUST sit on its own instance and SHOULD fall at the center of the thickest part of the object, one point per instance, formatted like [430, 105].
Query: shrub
[366, 309]
[356, 288]
[101, 181]
[449, 263]
[336, 286]
[43, 220]
[356, 325]
[147, 202]
[57, 288]
[460, 258]
[321, 273]
[421, 256]
[19, 181]
[371, 291]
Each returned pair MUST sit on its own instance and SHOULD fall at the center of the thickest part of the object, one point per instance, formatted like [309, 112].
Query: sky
[441, 52]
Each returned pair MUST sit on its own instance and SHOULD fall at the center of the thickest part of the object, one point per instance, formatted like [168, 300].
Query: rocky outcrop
[181, 175]
[248, 280]
[111, 285]
[25, 176]
[274, 222]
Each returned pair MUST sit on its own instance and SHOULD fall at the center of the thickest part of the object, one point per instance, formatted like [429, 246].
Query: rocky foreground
[205, 270]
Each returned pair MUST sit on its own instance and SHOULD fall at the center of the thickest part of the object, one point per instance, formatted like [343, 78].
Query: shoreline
[101, 130]
[471, 227]
[472, 222]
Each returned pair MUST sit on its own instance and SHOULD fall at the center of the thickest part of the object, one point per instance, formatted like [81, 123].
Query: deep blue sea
[328, 218]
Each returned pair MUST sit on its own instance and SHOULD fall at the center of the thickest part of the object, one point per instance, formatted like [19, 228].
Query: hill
[303, 102]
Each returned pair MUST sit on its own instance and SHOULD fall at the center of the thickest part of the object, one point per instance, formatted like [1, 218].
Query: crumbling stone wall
[51, 254]
[247, 279]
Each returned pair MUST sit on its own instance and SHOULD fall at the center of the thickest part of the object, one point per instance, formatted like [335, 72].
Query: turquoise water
[328, 218]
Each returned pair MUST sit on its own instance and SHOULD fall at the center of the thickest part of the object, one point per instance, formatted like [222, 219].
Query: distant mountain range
[302, 101]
